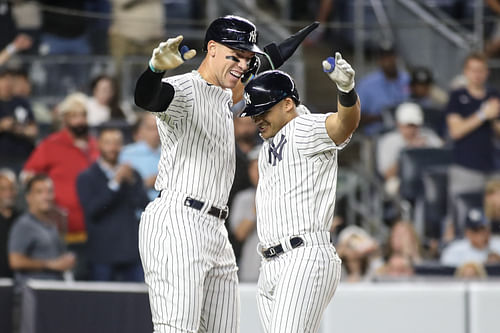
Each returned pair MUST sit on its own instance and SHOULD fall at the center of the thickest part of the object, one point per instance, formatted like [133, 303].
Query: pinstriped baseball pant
[189, 267]
[295, 288]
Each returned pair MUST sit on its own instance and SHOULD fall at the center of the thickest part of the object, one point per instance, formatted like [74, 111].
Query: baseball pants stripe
[295, 288]
[189, 268]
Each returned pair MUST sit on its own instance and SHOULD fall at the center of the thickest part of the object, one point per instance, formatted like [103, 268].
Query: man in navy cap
[477, 246]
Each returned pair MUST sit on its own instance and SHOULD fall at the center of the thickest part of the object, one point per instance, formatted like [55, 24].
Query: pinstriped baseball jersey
[297, 180]
[197, 139]
[189, 264]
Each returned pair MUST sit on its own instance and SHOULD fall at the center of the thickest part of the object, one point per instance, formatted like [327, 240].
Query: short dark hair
[108, 127]
[39, 177]
[421, 75]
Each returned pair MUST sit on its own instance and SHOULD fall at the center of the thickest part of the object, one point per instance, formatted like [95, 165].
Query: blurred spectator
[8, 214]
[492, 42]
[404, 241]
[242, 222]
[7, 24]
[408, 134]
[360, 253]
[144, 154]
[430, 97]
[22, 88]
[472, 116]
[63, 155]
[35, 247]
[112, 195]
[397, 266]
[64, 32]
[137, 27]
[18, 129]
[98, 28]
[424, 92]
[471, 270]
[492, 205]
[245, 133]
[324, 11]
[246, 138]
[477, 245]
[384, 88]
[104, 104]
[20, 43]
[28, 18]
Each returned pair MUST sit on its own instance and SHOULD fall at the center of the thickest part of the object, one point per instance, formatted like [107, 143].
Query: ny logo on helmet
[253, 37]
[246, 96]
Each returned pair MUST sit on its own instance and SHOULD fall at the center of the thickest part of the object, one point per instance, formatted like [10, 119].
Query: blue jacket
[111, 217]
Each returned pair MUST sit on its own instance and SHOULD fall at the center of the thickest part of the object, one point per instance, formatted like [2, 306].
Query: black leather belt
[273, 251]
[214, 211]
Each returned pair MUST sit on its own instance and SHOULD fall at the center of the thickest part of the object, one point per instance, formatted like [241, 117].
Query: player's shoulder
[307, 119]
[181, 81]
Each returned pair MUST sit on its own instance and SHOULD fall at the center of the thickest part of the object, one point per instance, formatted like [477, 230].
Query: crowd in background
[71, 194]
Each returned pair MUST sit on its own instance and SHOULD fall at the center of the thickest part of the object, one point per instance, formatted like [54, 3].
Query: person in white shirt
[409, 133]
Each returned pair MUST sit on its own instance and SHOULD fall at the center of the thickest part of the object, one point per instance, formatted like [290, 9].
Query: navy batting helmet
[266, 90]
[234, 32]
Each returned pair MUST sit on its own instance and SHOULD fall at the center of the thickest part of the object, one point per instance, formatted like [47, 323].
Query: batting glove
[340, 72]
[167, 55]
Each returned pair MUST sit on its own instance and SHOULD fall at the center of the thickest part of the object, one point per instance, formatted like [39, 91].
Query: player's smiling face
[270, 122]
[232, 64]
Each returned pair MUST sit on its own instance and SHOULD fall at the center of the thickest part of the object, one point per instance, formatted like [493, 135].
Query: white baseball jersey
[189, 264]
[296, 197]
[197, 140]
[297, 180]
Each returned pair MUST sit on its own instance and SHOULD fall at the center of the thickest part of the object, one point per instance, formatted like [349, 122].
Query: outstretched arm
[150, 92]
[342, 124]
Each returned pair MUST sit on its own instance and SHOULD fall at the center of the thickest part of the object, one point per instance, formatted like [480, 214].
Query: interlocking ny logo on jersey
[275, 152]
[253, 37]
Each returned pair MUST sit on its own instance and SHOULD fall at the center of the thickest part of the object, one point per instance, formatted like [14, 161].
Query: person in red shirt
[62, 156]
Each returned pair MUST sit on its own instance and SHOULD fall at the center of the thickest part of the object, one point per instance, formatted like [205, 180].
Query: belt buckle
[224, 213]
[272, 251]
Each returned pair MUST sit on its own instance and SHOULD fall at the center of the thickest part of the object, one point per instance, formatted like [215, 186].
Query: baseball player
[188, 262]
[295, 196]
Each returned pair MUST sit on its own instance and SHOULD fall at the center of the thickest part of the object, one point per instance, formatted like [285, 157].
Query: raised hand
[340, 72]
[167, 55]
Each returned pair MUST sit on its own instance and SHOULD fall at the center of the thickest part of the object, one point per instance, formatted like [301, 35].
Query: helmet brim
[243, 46]
[251, 110]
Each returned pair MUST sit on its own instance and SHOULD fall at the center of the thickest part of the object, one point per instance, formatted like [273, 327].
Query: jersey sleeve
[20, 237]
[311, 137]
[451, 106]
[183, 97]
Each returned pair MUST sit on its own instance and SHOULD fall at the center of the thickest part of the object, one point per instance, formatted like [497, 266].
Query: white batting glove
[167, 55]
[340, 72]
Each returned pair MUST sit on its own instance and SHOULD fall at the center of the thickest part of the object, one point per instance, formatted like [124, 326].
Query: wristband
[11, 49]
[481, 115]
[154, 70]
[347, 99]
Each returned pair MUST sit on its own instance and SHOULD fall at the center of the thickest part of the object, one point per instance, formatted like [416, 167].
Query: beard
[79, 131]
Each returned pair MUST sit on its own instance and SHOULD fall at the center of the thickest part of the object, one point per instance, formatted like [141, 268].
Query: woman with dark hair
[104, 103]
